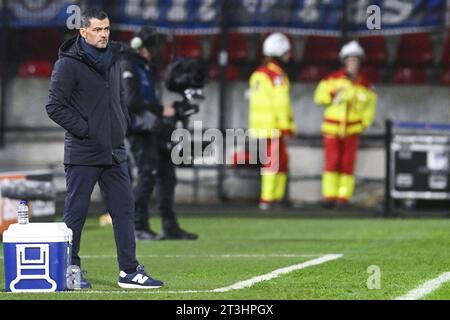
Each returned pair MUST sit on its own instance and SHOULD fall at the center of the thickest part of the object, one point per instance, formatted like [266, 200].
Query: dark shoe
[145, 235]
[342, 205]
[76, 278]
[285, 205]
[138, 280]
[176, 234]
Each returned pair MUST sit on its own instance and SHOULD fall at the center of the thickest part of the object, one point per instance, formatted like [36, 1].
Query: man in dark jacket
[85, 98]
[151, 127]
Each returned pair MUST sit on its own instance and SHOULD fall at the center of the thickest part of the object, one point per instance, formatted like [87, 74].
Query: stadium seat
[42, 44]
[188, 46]
[313, 73]
[125, 36]
[406, 75]
[375, 49]
[414, 49]
[14, 47]
[371, 73]
[166, 50]
[232, 73]
[445, 77]
[35, 69]
[319, 49]
[162, 72]
[237, 48]
[445, 61]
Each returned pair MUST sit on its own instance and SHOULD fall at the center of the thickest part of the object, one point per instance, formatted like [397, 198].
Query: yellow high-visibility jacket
[354, 108]
[270, 103]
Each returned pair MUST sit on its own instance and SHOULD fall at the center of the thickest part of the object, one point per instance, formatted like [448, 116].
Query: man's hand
[168, 111]
[287, 133]
[337, 96]
[343, 95]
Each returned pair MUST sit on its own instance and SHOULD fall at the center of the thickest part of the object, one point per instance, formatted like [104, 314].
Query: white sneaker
[264, 206]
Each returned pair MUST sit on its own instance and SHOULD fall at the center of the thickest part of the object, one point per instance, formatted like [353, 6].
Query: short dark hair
[92, 13]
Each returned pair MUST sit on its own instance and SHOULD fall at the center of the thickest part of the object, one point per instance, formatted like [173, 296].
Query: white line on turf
[238, 285]
[268, 276]
[426, 288]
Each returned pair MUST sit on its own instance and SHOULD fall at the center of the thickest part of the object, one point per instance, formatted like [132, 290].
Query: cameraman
[150, 123]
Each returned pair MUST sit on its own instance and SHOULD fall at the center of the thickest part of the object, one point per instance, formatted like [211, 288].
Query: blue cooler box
[37, 257]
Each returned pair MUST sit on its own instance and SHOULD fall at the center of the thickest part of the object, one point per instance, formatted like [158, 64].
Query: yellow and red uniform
[271, 118]
[350, 107]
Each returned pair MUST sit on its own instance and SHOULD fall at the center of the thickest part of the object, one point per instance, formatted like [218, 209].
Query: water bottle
[22, 212]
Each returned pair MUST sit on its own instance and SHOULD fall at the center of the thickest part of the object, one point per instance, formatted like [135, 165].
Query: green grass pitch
[233, 249]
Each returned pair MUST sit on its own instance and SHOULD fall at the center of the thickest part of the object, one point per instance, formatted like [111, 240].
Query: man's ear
[83, 32]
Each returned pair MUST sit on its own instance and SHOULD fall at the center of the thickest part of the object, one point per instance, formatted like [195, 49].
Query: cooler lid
[38, 232]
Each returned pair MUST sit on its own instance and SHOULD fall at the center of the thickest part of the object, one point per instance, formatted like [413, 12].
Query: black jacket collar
[72, 49]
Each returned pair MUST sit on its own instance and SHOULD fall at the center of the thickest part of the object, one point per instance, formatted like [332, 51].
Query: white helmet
[276, 45]
[353, 48]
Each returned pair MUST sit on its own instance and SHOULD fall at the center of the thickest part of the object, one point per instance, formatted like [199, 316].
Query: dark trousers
[155, 168]
[114, 183]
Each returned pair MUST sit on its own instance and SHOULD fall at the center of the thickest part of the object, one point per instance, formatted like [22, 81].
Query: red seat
[445, 77]
[405, 75]
[188, 46]
[375, 49]
[42, 44]
[125, 36]
[313, 73]
[166, 50]
[371, 73]
[232, 73]
[237, 48]
[445, 61]
[162, 72]
[414, 49]
[319, 49]
[35, 69]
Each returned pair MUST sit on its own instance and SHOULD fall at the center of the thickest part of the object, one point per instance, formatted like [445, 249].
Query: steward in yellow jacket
[350, 106]
[271, 118]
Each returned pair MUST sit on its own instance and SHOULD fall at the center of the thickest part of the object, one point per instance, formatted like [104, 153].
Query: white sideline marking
[238, 285]
[268, 276]
[426, 288]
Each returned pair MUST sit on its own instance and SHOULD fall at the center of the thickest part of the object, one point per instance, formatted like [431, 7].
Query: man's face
[286, 57]
[145, 53]
[97, 34]
[352, 65]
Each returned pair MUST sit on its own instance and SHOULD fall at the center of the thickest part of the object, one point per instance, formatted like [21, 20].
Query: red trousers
[340, 154]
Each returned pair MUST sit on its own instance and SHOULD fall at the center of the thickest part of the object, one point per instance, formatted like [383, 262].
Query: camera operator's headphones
[146, 37]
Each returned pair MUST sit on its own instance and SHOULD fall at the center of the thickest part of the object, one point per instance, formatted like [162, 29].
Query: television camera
[187, 77]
